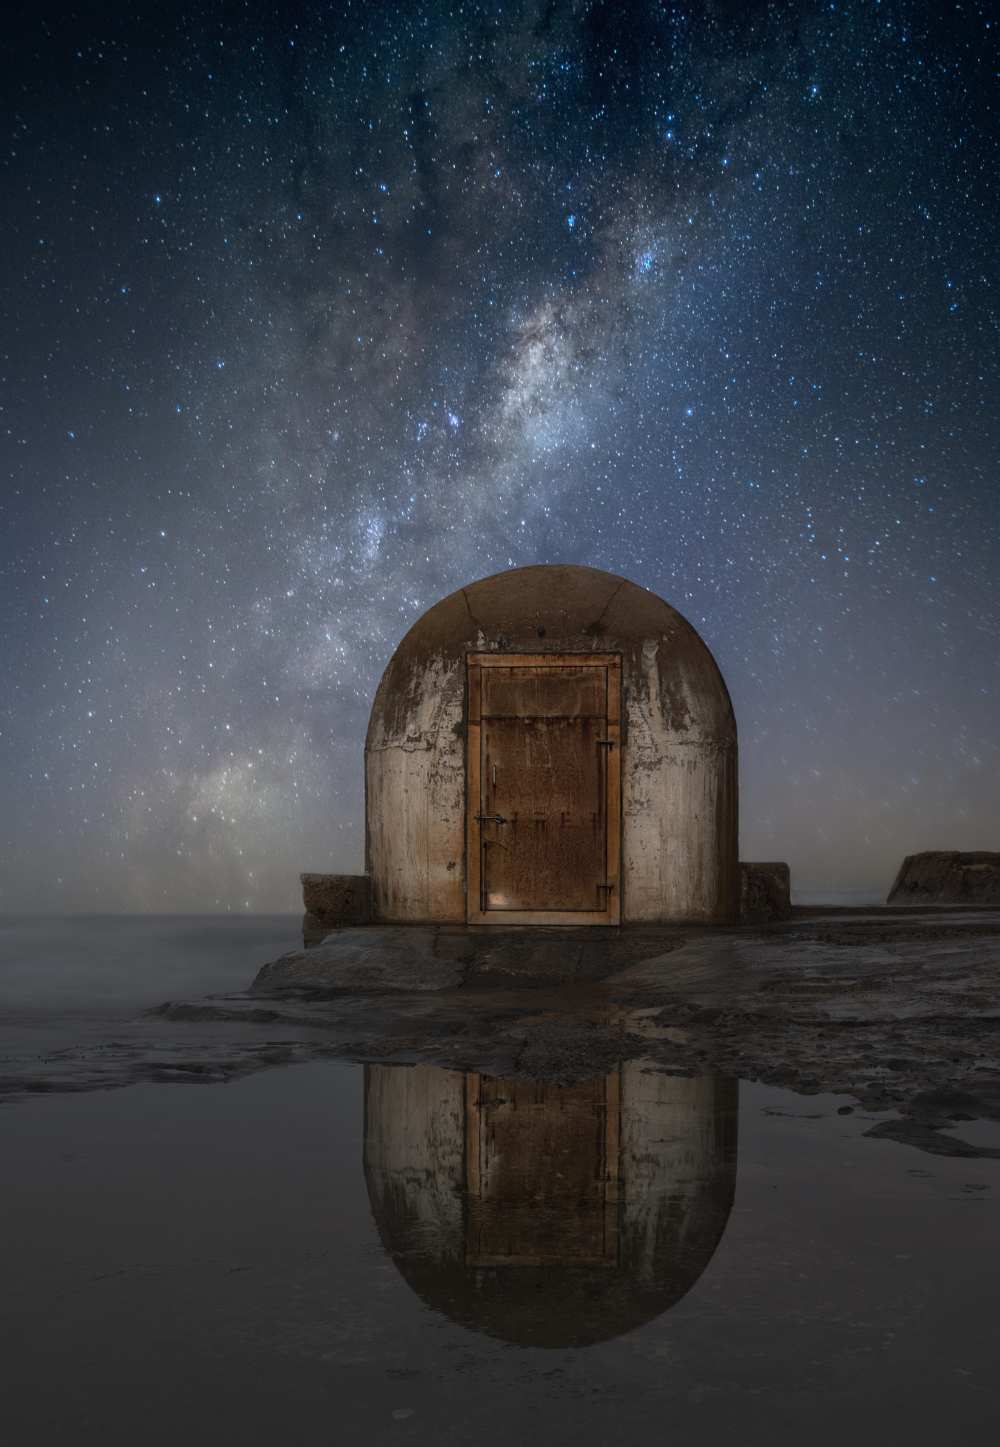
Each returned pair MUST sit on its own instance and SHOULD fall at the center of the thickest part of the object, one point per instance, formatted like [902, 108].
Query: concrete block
[334, 901]
[765, 892]
[943, 876]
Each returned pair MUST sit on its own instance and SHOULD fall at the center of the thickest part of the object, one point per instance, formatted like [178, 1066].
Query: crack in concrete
[468, 607]
[614, 594]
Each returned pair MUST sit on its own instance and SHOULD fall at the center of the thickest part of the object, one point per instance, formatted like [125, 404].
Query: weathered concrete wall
[942, 876]
[678, 808]
[679, 760]
[415, 808]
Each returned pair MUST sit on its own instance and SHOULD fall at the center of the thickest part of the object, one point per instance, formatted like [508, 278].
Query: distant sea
[75, 992]
[848, 897]
[120, 963]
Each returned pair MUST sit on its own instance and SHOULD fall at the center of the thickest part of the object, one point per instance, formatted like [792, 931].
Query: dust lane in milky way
[313, 314]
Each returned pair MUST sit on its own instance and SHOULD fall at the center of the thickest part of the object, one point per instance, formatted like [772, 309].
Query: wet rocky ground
[897, 1009]
[303, 1236]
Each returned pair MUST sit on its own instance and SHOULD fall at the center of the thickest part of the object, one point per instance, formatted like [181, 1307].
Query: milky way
[313, 314]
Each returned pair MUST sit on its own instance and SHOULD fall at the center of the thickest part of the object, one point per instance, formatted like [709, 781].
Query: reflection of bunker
[552, 745]
[549, 1215]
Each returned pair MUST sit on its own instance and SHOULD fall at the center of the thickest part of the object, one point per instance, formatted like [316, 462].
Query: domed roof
[560, 607]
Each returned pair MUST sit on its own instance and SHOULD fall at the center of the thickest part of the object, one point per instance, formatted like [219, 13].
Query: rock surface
[948, 877]
[418, 958]
[372, 959]
[899, 1008]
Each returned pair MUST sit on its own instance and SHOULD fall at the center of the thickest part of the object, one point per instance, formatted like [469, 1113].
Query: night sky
[312, 314]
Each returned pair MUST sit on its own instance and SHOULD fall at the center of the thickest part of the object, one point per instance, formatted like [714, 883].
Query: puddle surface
[370, 1253]
[395, 1253]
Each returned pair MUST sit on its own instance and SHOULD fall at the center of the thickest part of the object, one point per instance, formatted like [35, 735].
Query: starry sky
[313, 313]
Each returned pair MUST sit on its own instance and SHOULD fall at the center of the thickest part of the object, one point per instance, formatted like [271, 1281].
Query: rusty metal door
[542, 1166]
[544, 784]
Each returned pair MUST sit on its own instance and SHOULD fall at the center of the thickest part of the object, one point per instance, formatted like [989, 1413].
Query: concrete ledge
[334, 901]
[343, 901]
[765, 892]
[942, 876]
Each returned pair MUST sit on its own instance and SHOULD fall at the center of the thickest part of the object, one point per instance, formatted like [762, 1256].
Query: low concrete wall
[334, 901]
[765, 892]
[341, 901]
[942, 876]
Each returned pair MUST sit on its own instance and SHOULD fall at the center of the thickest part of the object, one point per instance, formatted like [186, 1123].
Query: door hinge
[606, 743]
[607, 886]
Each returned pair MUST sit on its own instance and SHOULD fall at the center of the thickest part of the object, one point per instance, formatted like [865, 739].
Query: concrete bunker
[552, 745]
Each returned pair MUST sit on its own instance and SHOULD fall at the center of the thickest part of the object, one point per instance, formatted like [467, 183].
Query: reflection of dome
[549, 1215]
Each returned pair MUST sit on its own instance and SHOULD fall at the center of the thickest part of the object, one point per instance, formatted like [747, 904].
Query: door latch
[491, 819]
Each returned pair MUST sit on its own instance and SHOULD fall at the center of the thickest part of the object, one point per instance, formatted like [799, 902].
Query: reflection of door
[544, 788]
[541, 1165]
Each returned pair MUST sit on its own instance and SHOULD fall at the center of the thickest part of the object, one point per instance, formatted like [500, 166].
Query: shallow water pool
[392, 1253]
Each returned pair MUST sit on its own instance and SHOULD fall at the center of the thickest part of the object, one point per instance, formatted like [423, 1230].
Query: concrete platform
[439, 957]
[421, 958]
[341, 901]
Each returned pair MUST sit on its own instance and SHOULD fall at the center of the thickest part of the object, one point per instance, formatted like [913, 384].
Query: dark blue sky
[312, 314]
